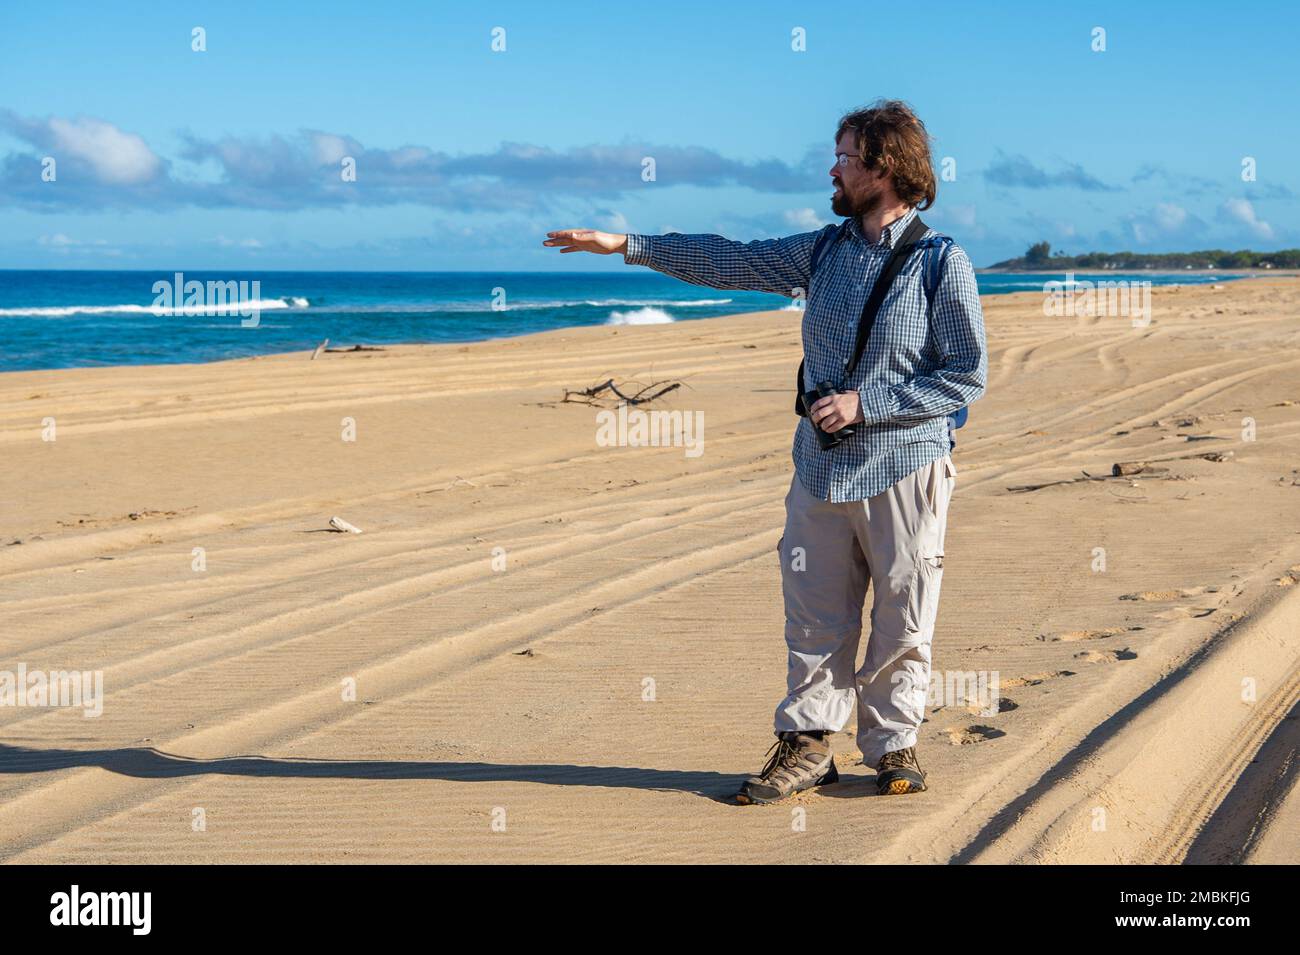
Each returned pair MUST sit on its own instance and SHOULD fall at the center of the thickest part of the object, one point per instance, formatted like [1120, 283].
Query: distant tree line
[1039, 257]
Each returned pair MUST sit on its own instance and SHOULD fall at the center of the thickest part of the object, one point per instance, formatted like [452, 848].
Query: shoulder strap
[936, 254]
[828, 235]
[904, 245]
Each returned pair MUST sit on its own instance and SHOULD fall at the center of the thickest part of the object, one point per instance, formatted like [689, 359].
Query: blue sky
[231, 157]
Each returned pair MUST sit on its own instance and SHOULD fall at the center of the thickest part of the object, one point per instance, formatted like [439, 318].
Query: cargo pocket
[930, 490]
[940, 481]
[923, 599]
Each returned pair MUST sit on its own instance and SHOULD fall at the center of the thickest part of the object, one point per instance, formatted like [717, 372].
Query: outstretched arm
[780, 266]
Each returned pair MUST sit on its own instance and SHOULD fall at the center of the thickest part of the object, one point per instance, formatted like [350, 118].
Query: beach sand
[599, 697]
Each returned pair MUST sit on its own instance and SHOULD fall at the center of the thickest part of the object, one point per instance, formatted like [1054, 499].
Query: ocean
[69, 319]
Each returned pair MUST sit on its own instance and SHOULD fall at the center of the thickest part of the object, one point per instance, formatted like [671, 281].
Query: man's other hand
[587, 240]
[836, 411]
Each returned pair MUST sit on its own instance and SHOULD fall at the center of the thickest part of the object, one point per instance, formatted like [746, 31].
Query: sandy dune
[517, 695]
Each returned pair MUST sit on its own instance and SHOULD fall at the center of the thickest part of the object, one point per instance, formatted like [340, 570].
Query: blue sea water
[66, 319]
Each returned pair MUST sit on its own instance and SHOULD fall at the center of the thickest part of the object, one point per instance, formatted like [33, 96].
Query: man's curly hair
[891, 137]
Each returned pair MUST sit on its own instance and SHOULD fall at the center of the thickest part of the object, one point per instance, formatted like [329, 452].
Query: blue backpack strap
[936, 250]
[828, 235]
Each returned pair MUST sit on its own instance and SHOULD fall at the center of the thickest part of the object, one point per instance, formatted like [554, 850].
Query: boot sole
[901, 787]
[830, 777]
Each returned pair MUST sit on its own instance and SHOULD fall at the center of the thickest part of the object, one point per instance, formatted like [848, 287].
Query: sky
[474, 128]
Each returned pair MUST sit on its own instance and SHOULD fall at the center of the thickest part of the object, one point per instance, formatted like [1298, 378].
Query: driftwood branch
[1128, 469]
[1020, 488]
[1138, 467]
[324, 347]
[601, 392]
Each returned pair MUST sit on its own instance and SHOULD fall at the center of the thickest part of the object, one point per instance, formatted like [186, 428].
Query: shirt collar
[890, 233]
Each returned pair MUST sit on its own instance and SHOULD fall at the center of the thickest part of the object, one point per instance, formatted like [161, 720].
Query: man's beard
[846, 207]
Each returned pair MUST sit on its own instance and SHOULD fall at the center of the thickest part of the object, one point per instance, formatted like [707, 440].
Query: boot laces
[784, 755]
[899, 759]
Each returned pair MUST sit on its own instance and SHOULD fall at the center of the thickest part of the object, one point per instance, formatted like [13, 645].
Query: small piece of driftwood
[1127, 467]
[339, 524]
[1020, 488]
[319, 348]
[357, 348]
[586, 395]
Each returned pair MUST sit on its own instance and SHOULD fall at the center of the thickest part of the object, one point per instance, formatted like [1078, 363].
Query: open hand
[587, 240]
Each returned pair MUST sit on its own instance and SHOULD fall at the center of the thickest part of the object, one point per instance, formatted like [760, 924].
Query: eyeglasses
[842, 159]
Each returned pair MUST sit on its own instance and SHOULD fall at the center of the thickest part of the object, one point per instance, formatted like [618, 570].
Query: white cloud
[300, 170]
[117, 157]
[1242, 212]
[330, 149]
[808, 220]
[1165, 220]
[58, 240]
[962, 216]
[611, 221]
[62, 243]
[1170, 217]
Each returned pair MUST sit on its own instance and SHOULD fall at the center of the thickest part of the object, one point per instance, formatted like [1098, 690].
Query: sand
[599, 696]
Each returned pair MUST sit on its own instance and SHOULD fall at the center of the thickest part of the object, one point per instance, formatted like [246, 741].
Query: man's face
[857, 191]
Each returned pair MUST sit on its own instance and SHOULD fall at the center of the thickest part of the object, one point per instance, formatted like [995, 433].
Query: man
[874, 507]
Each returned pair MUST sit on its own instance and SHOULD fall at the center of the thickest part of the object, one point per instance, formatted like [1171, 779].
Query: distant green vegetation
[1039, 258]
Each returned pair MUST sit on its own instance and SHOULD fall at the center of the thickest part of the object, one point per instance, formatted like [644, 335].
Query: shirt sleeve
[780, 266]
[957, 321]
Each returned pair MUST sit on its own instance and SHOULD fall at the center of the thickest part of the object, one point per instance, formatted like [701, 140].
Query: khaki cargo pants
[829, 552]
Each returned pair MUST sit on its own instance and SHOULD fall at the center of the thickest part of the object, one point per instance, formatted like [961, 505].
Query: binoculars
[827, 439]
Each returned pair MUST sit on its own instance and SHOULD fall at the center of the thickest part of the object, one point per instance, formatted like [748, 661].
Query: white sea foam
[232, 307]
[415, 308]
[594, 303]
[642, 316]
[684, 303]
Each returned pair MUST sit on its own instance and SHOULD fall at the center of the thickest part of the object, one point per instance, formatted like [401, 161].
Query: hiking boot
[899, 773]
[796, 762]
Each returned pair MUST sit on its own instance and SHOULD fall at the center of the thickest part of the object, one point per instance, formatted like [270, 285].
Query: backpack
[932, 249]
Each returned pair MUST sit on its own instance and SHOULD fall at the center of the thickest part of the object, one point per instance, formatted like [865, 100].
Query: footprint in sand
[1070, 636]
[1107, 656]
[1002, 704]
[1161, 595]
[1175, 613]
[1290, 578]
[965, 736]
[1034, 679]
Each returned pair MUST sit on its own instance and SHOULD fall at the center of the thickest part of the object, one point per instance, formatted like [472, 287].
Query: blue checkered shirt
[921, 363]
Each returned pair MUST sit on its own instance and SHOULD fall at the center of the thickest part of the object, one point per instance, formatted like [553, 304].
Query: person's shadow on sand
[150, 763]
